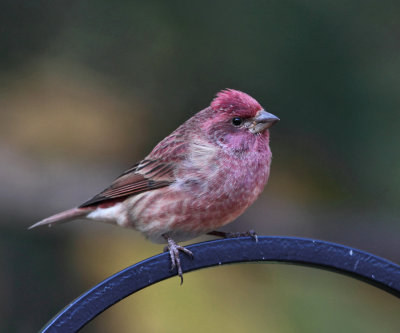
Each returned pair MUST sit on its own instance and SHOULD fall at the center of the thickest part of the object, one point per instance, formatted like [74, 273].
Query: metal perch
[308, 252]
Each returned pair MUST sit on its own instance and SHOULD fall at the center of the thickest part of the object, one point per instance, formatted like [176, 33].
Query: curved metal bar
[343, 259]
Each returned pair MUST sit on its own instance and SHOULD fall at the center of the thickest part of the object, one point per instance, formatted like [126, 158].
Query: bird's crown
[235, 101]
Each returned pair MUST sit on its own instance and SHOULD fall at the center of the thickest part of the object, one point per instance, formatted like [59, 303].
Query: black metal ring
[346, 260]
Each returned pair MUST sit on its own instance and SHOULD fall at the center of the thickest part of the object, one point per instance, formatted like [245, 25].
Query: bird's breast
[209, 192]
[225, 180]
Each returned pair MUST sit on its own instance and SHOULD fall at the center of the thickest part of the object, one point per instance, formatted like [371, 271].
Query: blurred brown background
[87, 88]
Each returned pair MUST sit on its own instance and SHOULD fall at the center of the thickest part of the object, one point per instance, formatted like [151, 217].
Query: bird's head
[238, 120]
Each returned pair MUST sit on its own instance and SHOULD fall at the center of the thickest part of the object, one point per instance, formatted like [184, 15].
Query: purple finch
[199, 178]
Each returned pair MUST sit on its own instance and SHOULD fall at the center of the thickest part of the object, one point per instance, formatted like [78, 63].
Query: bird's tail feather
[65, 216]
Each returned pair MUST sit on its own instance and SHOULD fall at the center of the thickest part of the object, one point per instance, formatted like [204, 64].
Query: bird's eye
[237, 121]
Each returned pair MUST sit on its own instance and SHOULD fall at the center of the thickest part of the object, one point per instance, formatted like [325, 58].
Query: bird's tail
[65, 216]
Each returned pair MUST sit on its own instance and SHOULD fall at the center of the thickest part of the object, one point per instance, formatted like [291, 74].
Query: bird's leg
[173, 250]
[250, 233]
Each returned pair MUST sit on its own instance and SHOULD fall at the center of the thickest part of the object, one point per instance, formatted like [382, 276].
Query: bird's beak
[262, 121]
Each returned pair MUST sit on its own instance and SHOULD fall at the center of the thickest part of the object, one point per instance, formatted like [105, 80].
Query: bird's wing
[144, 176]
[155, 171]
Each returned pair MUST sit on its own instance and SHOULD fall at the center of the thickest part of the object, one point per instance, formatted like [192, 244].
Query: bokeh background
[87, 88]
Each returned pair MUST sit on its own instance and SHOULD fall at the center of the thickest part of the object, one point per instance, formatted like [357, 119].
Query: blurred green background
[87, 88]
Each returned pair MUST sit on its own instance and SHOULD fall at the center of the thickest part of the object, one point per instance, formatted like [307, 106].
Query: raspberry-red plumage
[199, 178]
[235, 102]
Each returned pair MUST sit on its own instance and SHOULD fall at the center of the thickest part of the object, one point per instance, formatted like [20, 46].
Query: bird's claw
[250, 233]
[173, 250]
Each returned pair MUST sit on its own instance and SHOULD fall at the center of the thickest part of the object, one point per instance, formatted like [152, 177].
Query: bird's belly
[187, 214]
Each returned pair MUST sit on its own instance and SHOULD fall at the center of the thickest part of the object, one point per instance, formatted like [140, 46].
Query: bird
[199, 178]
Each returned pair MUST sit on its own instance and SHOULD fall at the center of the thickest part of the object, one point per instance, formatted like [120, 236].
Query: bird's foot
[173, 250]
[250, 233]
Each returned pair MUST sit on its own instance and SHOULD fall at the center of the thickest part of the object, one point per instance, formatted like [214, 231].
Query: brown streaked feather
[142, 177]
[155, 171]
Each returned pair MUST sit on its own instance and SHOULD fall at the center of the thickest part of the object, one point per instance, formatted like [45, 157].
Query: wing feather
[134, 181]
[155, 171]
